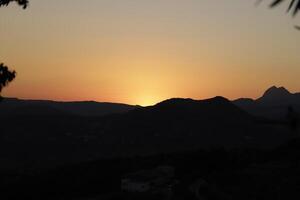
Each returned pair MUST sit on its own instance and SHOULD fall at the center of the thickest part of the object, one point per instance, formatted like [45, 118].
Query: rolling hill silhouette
[184, 124]
[80, 131]
[19, 107]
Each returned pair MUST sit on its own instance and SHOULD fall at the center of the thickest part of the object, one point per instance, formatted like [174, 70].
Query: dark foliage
[6, 76]
[230, 174]
[23, 3]
[294, 5]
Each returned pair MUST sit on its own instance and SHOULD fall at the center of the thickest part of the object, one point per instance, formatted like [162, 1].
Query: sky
[145, 51]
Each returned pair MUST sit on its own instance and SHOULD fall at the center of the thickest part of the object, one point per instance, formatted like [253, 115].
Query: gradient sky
[145, 51]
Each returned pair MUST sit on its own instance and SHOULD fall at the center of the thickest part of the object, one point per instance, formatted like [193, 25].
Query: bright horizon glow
[144, 100]
[141, 52]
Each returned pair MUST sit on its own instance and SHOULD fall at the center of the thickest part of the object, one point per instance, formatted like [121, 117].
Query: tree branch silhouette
[23, 3]
[6, 75]
[294, 5]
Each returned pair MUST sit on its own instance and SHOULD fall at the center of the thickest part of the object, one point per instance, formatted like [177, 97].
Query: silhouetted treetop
[6, 76]
[23, 3]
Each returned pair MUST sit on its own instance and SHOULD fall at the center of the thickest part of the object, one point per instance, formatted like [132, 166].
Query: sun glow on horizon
[141, 52]
[148, 100]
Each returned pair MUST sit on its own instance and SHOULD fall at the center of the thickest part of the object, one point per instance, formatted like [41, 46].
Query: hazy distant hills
[272, 104]
[19, 107]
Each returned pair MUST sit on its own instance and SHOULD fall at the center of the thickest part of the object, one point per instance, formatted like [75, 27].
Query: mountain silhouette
[16, 107]
[274, 103]
[275, 95]
[185, 124]
[172, 125]
[217, 107]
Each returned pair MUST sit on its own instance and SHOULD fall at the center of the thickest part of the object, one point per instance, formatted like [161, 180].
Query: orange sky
[142, 51]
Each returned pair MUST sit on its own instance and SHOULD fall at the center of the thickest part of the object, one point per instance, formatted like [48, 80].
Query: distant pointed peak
[276, 91]
[275, 94]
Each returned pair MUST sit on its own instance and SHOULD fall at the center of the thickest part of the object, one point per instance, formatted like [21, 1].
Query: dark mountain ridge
[185, 124]
[169, 126]
[14, 106]
[32, 143]
[217, 107]
[275, 95]
[274, 103]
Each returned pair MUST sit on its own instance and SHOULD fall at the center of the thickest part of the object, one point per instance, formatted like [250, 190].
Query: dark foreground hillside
[177, 149]
[174, 125]
[214, 174]
[186, 124]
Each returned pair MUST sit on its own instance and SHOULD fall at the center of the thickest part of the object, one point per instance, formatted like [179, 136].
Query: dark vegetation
[52, 138]
[294, 5]
[23, 3]
[75, 157]
[6, 76]
[237, 173]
